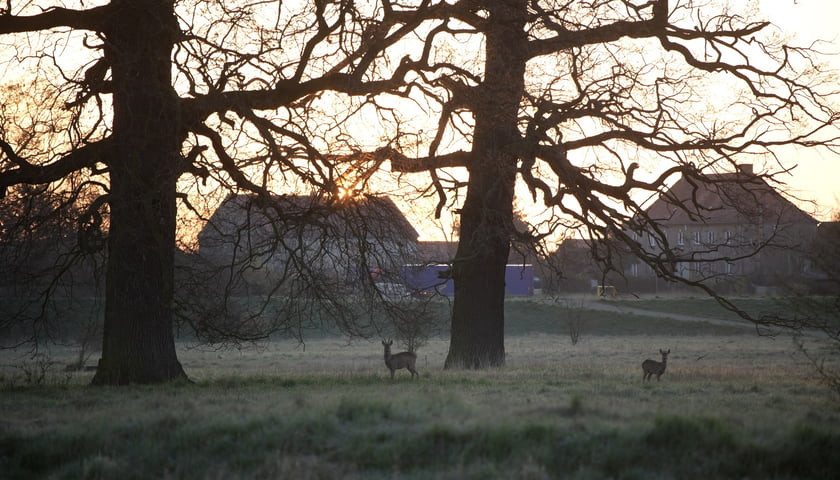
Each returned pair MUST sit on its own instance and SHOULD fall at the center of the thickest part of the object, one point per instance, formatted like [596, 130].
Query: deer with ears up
[652, 367]
[400, 360]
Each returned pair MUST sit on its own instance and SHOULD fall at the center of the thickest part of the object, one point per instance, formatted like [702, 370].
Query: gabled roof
[303, 215]
[727, 198]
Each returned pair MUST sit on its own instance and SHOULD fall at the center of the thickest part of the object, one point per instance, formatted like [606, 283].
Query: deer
[652, 367]
[400, 360]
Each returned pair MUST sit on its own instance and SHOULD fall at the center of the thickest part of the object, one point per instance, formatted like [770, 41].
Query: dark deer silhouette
[652, 367]
[399, 360]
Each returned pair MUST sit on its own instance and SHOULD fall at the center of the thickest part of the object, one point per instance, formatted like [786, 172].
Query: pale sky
[817, 176]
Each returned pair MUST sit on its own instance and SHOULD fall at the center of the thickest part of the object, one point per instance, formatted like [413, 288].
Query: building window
[680, 237]
[728, 237]
[697, 237]
[651, 240]
[634, 270]
[711, 237]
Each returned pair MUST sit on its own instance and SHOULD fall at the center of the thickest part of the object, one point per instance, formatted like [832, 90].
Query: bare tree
[595, 107]
[591, 107]
[49, 285]
[51, 250]
[163, 94]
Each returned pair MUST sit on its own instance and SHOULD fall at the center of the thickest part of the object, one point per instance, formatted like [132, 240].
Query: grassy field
[710, 308]
[730, 405]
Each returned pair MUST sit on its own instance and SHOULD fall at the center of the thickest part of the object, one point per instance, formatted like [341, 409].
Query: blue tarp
[430, 279]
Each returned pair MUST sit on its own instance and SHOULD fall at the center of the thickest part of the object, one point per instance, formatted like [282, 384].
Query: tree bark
[138, 340]
[478, 323]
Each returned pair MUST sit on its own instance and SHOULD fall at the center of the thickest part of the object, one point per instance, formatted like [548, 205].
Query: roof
[310, 215]
[437, 251]
[445, 252]
[727, 198]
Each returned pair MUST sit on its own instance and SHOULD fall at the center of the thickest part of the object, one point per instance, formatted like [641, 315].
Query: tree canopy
[162, 95]
[139, 108]
[595, 107]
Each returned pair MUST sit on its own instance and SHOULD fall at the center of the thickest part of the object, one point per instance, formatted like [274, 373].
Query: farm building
[741, 229]
[430, 272]
[735, 233]
[429, 279]
[286, 236]
[308, 238]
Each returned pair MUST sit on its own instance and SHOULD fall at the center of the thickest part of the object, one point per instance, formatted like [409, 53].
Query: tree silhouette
[160, 96]
[587, 107]
[594, 107]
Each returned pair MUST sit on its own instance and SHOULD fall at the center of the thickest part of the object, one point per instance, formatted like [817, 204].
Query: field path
[607, 306]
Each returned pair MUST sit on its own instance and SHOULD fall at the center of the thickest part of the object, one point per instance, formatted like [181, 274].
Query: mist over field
[731, 404]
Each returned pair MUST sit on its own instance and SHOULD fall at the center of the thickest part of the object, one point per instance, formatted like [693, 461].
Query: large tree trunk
[478, 320]
[138, 343]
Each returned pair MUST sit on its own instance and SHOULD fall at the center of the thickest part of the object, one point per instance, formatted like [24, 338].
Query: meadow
[730, 405]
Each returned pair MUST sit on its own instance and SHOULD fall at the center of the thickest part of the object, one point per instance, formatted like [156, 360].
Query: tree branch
[401, 163]
[92, 19]
[27, 173]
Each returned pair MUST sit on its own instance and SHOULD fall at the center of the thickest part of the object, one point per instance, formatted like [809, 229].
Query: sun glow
[348, 193]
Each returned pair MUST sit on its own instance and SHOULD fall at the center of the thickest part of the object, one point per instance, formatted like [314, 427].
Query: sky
[817, 176]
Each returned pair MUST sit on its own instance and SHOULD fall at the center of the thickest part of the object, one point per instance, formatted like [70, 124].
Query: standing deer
[652, 367]
[399, 360]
